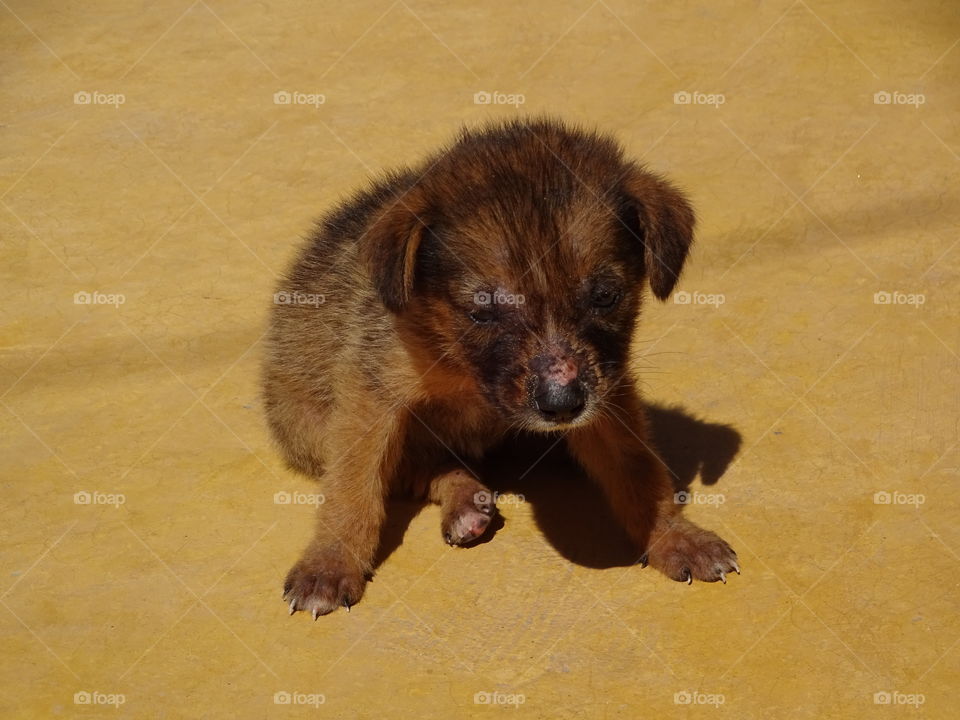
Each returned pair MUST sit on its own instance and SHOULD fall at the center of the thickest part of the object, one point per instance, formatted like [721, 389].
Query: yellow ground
[187, 198]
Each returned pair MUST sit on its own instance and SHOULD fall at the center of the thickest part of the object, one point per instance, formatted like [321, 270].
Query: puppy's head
[518, 258]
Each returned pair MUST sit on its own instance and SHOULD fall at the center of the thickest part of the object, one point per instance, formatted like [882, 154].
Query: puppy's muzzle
[560, 403]
[559, 395]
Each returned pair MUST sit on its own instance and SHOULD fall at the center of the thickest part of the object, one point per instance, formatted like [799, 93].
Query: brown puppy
[492, 289]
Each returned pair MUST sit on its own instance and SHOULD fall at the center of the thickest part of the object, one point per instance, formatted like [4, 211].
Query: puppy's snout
[560, 402]
[559, 394]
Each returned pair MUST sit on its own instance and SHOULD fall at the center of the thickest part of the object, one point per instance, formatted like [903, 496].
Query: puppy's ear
[390, 243]
[663, 223]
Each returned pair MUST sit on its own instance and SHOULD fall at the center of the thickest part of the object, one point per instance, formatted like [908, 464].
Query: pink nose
[562, 371]
[558, 395]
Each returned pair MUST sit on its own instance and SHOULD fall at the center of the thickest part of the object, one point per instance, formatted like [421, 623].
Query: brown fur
[413, 364]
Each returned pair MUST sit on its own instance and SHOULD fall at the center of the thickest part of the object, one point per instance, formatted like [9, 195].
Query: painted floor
[159, 163]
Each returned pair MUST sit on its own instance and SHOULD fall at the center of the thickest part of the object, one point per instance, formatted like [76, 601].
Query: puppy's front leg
[616, 452]
[335, 567]
[467, 506]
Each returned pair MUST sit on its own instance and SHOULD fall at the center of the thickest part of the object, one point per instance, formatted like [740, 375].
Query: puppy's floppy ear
[664, 224]
[390, 243]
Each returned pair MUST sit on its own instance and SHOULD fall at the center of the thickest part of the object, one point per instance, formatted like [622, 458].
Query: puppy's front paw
[468, 520]
[320, 583]
[686, 552]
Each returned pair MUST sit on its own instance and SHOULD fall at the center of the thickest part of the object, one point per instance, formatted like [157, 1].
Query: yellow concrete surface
[145, 162]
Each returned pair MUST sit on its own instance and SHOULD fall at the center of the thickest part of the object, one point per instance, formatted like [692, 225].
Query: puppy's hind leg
[466, 504]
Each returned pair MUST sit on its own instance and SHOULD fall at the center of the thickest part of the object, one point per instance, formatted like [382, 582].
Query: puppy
[490, 290]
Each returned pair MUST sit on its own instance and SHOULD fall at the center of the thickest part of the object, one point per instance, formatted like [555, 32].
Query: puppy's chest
[466, 428]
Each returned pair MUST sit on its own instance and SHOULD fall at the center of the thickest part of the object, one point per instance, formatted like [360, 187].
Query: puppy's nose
[560, 403]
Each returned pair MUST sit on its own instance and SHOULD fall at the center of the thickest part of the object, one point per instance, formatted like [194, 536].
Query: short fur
[492, 289]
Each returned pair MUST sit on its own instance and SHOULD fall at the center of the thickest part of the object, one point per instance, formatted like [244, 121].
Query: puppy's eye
[483, 316]
[604, 298]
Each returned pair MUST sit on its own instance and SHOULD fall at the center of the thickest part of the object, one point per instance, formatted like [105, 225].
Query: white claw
[348, 608]
[293, 606]
[737, 568]
[723, 577]
[690, 579]
[316, 613]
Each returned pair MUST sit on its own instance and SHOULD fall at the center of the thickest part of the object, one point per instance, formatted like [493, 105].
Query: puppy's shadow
[690, 446]
[569, 508]
[400, 513]
[572, 512]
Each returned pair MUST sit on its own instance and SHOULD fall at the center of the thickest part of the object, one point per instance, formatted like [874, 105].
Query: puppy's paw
[687, 552]
[469, 518]
[320, 583]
